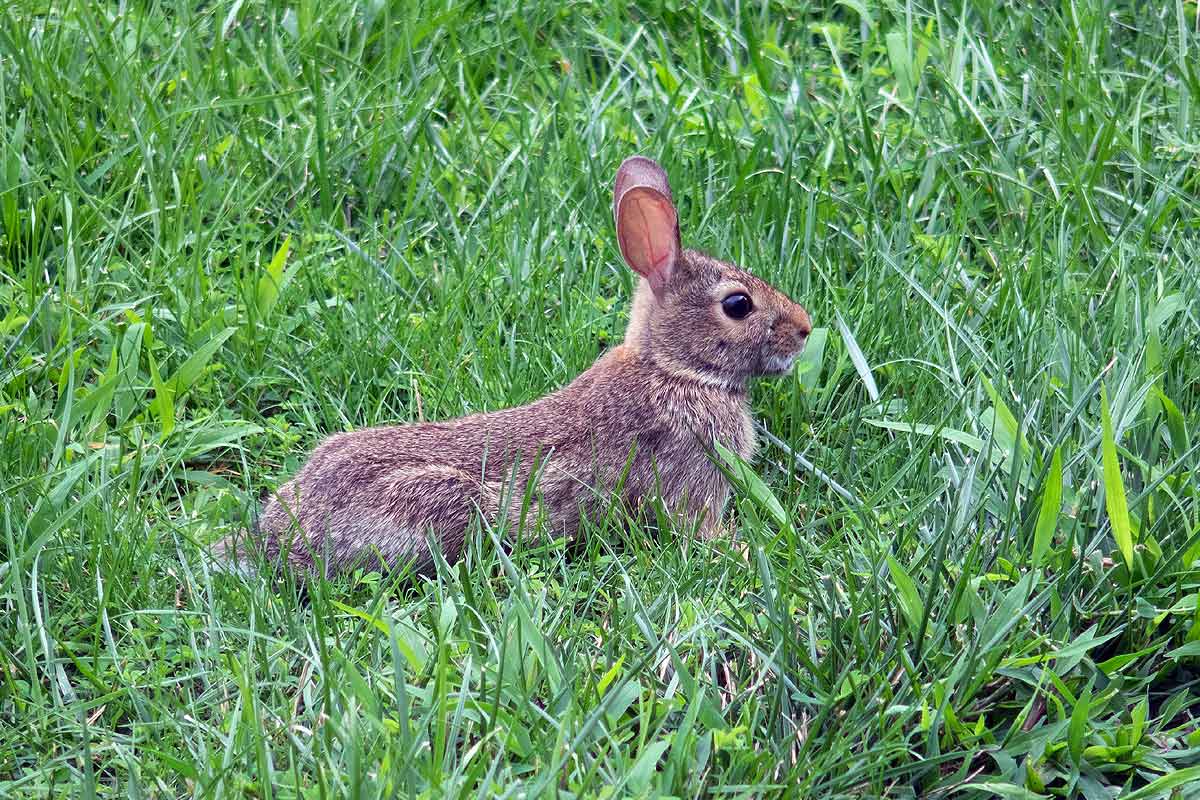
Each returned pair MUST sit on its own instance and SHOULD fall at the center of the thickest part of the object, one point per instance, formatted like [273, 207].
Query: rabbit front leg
[697, 504]
[709, 506]
[714, 528]
[705, 516]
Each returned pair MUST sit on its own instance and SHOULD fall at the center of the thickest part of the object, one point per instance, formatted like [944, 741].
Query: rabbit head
[696, 316]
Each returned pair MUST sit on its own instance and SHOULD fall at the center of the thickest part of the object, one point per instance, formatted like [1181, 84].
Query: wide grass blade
[857, 358]
[906, 594]
[1047, 519]
[1114, 487]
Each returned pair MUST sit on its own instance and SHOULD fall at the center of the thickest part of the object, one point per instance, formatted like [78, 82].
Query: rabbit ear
[647, 223]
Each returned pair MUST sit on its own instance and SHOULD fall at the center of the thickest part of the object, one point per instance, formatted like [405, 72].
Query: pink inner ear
[648, 234]
[639, 171]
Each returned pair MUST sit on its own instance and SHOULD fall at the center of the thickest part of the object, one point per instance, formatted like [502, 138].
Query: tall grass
[966, 562]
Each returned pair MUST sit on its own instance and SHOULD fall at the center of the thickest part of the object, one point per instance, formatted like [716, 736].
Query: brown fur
[653, 404]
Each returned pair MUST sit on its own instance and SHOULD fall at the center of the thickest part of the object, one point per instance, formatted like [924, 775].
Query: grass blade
[1047, 519]
[857, 358]
[1161, 787]
[907, 596]
[950, 434]
[1114, 487]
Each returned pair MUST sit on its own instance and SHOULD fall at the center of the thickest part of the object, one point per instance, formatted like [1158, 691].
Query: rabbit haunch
[640, 421]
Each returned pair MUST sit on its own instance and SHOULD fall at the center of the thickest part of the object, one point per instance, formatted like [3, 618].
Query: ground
[965, 562]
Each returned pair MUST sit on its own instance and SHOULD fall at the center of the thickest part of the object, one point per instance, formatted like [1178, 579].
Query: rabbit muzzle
[790, 334]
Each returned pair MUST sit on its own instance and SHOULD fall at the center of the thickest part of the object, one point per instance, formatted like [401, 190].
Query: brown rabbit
[639, 422]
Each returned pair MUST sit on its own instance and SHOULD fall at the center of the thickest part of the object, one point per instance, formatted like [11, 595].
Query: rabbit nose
[803, 323]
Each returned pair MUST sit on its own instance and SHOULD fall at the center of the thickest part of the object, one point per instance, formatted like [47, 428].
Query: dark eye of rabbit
[737, 306]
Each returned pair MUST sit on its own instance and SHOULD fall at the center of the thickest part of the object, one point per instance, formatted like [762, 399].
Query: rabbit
[639, 423]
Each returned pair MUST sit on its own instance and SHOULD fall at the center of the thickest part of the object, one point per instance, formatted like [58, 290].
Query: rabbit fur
[639, 422]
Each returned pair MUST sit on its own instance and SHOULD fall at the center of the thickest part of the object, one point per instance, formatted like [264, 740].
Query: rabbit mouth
[779, 364]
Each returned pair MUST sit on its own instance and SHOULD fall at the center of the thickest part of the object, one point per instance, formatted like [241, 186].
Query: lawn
[967, 559]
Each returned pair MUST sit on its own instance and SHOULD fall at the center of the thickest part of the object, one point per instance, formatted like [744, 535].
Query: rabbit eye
[737, 306]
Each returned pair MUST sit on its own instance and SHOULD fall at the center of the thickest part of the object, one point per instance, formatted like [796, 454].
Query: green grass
[229, 229]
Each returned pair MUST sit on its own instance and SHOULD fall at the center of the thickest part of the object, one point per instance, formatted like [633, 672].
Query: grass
[971, 545]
